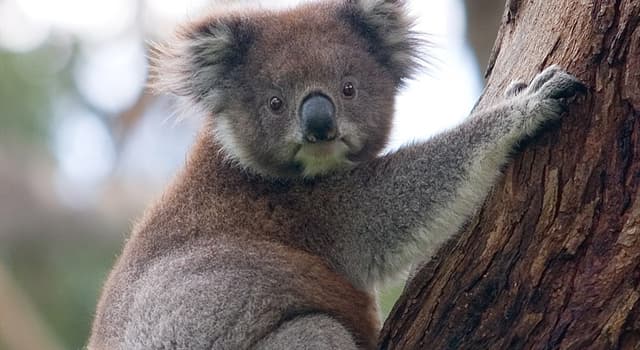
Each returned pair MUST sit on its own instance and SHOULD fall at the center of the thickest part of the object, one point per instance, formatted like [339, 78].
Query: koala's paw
[515, 88]
[546, 98]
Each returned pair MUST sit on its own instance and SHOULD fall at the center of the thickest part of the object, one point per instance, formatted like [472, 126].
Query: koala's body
[286, 218]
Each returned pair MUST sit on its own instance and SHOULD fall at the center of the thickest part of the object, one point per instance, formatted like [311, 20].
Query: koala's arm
[408, 203]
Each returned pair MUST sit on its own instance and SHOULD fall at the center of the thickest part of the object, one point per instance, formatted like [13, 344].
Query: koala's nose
[318, 119]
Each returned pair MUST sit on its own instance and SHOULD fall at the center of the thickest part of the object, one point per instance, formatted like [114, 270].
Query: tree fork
[552, 261]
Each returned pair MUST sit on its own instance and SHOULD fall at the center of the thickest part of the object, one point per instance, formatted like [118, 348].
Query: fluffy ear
[199, 57]
[388, 30]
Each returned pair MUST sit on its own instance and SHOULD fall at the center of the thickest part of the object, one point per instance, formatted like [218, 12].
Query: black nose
[318, 119]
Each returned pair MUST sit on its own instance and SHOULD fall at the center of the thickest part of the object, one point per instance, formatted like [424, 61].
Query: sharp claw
[581, 87]
[515, 88]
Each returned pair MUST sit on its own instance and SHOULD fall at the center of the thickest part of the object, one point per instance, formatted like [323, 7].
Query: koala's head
[295, 93]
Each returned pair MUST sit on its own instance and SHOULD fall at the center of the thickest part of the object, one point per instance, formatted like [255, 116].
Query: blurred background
[83, 146]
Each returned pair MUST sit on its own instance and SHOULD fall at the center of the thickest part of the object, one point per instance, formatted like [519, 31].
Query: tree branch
[553, 259]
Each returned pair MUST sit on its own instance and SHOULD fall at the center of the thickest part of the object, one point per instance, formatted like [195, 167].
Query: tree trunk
[552, 261]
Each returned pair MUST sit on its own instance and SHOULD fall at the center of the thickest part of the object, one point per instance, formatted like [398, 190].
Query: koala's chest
[291, 216]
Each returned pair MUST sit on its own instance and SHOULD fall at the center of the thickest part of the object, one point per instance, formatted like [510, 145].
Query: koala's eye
[348, 90]
[276, 104]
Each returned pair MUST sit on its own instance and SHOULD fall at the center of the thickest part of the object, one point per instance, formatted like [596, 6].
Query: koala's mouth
[323, 157]
[323, 149]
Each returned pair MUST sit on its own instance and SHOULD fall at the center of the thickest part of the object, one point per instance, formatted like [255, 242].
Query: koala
[286, 216]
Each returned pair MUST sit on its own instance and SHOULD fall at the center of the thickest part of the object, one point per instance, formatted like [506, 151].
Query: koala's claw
[555, 83]
[544, 76]
[562, 85]
[551, 83]
[546, 97]
[515, 88]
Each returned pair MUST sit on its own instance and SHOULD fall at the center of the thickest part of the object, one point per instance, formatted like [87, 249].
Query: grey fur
[266, 242]
[431, 188]
[314, 332]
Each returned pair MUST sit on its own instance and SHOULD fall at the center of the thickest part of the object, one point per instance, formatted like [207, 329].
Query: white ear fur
[389, 28]
[189, 65]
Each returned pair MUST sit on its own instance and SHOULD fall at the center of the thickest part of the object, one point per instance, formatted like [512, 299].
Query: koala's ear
[200, 56]
[388, 30]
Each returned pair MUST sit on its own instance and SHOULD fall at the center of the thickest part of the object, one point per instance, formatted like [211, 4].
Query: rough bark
[552, 261]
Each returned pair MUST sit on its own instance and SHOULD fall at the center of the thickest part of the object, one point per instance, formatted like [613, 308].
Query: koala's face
[297, 93]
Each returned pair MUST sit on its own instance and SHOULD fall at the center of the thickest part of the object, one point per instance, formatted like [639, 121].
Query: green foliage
[388, 298]
[28, 84]
[63, 279]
